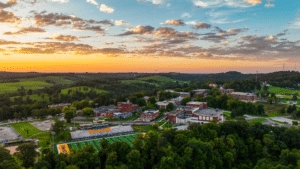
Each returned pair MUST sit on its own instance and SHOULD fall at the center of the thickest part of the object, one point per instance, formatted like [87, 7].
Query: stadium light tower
[74, 115]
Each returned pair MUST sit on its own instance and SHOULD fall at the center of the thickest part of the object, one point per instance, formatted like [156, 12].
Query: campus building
[200, 105]
[226, 91]
[177, 100]
[126, 106]
[149, 115]
[244, 96]
[164, 104]
[181, 94]
[201, 92]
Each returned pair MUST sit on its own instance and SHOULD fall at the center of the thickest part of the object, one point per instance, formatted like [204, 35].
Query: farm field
[157, 80]
[95, 142]
[22, 128]
[49, 79]
[13, 87]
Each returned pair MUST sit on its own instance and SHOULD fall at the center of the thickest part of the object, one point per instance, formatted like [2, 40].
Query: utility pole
[74, 116]
[53, 133]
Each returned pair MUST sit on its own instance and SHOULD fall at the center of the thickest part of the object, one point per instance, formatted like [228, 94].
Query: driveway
[283, 119]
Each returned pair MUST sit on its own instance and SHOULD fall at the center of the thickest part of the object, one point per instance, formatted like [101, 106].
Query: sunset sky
[188, 36]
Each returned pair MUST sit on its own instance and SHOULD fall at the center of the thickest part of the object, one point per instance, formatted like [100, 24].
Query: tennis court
[66, 147]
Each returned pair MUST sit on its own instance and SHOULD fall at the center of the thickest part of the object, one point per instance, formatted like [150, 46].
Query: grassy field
[80, 89]
[54, 79]
[96, 142]
[167, 125]
[13, 87]
[33, 97]
[22, 127]
[161, 122]
[143, 128]
[278, 90]
[257, 120]
[138, 81]
[272, 109]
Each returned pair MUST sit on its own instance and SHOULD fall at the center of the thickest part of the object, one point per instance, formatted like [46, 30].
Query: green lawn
[258, 120]
[143, 128]
[81, 89]
[161, 122]
[22, 127]
[167, 125]
[44, 139]
[272, 109]
[159, 79]
[138, 81]
[278, 90]
[13, 87]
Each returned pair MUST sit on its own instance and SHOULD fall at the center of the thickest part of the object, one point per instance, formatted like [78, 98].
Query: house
[61, 105]
[164, 104]
[149, 115]
[200, 105]
[200, 92]
[244, 96]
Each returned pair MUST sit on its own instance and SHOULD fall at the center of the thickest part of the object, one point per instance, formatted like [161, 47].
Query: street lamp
[53, 133]
[96, 113]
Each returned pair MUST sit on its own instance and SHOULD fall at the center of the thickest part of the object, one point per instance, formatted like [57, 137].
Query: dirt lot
[43, 125]
[12, 149]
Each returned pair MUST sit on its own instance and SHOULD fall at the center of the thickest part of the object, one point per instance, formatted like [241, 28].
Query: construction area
[66, 147]
[43, 126]
[8, 133]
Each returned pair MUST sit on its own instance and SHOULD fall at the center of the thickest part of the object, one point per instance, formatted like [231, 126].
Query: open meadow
[13, 87]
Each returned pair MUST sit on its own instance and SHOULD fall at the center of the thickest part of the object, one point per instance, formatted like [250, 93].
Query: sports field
[66, 147]
[22, 128]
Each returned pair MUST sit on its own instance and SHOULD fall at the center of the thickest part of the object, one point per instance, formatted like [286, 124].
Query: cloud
[10, 3]
[178, 22]
[295, 24]
[60, 37]
[92, 2]
[43, 19]
[23, 30]
[201, 25]
[253, 2]
[8, 17]
[185, 15]
[230, 3]
[191, 23]
[138, 30]
[106, 9]
[60, 1]
[223, 35]
[109, 43]
[268, 5]
[121, 22]
[155, 2]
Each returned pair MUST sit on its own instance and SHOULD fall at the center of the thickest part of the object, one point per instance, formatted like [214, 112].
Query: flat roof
[150, 111]
[196, 103]
[209, 112]
[200, 90]
[242, 93]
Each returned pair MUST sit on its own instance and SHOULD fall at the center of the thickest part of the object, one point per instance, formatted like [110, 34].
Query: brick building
[200, 105]
[206, 115]
[201, 92]
[177, 100]
[226, 91]
[244, 96]
[149, 115]
[126, 106]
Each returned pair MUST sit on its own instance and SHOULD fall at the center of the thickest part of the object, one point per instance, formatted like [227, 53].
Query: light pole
[53, 133]
[96, 113]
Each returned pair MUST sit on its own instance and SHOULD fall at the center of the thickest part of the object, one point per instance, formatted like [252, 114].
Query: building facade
[149, 115]
[200, 105]
[244, 96]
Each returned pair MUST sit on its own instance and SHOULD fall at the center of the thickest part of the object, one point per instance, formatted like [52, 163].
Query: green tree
[85, 157]
[185, 100]
[69, 114]
[170, 106]
[141, 102]
[295, 96]
[133, 99]
[112, 159]
[6, 160]
[152, 100]
[228, 160]
[27, 153]
[260, 109]
[57, 127]
[87, 111]
[133, 159]
[29, 92]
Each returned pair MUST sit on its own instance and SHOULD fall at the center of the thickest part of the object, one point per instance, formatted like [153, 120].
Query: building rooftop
[176, 112]
[184, 116]
[187, 108]
[150, 111]
[197, 103]
[209, 112]
[242, 93]
[200, 90]
[177, 99]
